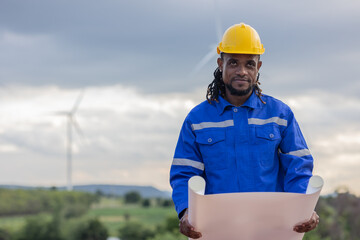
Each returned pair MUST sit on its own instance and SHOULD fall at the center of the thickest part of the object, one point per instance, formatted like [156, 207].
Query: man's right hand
[186, 228]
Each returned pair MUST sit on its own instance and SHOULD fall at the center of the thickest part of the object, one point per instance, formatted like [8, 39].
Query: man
[240, 140]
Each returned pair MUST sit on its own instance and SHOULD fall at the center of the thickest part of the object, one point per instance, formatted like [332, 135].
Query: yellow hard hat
[241, 39]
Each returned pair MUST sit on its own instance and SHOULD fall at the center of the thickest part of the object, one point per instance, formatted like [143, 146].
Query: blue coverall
[253, 148]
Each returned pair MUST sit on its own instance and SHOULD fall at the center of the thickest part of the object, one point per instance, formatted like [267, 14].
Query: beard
[236, 92]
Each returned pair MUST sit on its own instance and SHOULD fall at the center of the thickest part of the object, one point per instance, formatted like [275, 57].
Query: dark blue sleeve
[187, 162]
[295, 157]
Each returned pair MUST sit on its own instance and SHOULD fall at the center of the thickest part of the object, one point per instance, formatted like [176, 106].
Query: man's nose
[241, 71]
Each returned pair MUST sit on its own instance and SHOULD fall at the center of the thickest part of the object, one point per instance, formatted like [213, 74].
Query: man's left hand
[309, 225]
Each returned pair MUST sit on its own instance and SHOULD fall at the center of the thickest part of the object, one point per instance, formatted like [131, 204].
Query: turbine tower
[71, 123]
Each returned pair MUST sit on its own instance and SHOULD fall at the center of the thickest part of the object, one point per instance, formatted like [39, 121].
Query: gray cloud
[130, 136]
[51, 49]
[155, 45]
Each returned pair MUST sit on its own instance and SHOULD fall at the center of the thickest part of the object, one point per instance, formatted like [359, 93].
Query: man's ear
[220, 63]
[259, 65]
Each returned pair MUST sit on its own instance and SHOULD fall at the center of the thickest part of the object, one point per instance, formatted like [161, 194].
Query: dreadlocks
[258, 90]
[217, 87]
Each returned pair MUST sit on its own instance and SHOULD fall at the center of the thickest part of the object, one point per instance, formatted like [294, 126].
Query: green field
[111, 212]
[341, 210]
[12, 223]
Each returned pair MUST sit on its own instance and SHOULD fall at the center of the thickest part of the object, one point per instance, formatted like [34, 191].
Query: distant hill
[107, 189]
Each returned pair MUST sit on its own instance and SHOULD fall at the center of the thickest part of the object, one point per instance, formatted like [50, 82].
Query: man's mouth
[240, 80]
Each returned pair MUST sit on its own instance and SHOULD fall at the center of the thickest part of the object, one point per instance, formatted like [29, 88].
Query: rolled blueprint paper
[197, 185]
[250, 215]
[196, 191]
[315, 184]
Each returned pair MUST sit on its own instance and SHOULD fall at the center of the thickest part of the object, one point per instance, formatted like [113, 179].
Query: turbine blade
[219, 31]
[210, 55]
[77, 102]
[59, 113]
[77, 127]
[218, 24]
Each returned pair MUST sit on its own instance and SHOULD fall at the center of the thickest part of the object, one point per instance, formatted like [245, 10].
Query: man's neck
[236, 100]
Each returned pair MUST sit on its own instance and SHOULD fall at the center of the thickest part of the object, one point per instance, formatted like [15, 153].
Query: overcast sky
[136, 61]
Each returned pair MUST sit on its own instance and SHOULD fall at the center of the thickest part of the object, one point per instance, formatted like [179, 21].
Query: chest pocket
[270, 133]
[267, 140]
[212, 146]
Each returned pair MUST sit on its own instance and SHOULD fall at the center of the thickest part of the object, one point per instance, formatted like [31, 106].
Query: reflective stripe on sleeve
[300, 153]
[277, 120]
[187, 162]
[223, 124]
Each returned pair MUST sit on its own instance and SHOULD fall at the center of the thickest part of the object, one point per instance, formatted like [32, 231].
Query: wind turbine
[212, 53]
[71, 123]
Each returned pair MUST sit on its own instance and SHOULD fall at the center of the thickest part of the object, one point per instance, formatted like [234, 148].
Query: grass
[115, 215]
[12, 223]
[112, 212]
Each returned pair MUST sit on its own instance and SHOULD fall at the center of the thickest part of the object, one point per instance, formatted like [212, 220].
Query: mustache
[239, 78]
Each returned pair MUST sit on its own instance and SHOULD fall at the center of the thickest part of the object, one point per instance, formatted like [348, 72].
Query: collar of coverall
[252, 102]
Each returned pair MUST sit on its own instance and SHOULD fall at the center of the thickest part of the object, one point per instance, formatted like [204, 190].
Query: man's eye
[233, 63]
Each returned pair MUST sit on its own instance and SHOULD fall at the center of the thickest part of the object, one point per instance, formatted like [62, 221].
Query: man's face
[239, 73]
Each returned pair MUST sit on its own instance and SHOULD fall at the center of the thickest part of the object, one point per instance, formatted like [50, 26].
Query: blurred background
[106, 85]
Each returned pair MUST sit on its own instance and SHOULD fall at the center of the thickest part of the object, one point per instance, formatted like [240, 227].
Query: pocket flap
[268, 132]
[210, 137]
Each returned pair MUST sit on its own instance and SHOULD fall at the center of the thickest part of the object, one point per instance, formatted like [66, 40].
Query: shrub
[135, 231]
[93, 229]
[132, 197]
[75, 210]
[38, 228]
[168, 236]
[146, 203]
[4, 235]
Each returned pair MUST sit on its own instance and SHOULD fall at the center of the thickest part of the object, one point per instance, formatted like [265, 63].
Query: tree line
[339, 217]
[58, 215]
[22, 202]
[339, 220]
